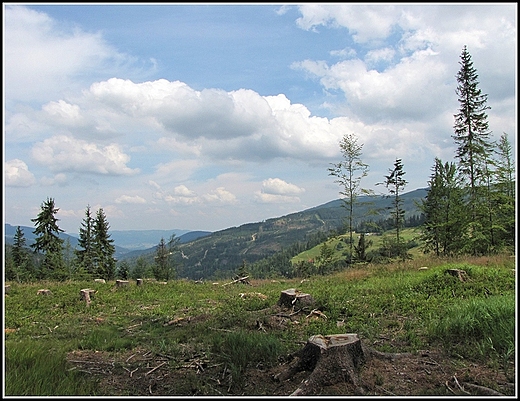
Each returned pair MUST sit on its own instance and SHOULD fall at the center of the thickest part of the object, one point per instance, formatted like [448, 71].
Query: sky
[205, 116]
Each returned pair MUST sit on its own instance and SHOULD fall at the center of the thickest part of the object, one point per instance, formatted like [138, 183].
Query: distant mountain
[224, 251]
[125, 241]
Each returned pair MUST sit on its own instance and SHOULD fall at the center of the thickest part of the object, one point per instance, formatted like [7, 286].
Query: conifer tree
[86, 253]
[161, 265]
[21, 262]
[104, 250]
[349, 173]
[48, 242]
[474, 149]
[442, 231]
[395, 184]
[505, 191]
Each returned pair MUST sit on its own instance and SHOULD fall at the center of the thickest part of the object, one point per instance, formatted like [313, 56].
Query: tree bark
[121, 283]
[86, 295]
[331, 359]
[293, 298]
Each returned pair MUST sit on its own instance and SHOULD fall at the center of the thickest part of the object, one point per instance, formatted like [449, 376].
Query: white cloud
[220, 195]
[276, 186]
[63, 153]
[41, 57]
[17, 174]
[130, 199]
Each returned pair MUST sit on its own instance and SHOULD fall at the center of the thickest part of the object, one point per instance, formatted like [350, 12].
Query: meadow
[217, 338]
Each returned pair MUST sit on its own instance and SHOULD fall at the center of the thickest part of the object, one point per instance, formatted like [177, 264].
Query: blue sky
[203, 117]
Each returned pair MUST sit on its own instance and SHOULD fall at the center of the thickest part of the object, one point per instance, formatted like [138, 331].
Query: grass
[418, 309]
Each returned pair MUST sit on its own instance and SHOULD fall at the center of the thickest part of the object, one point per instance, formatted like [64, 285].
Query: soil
[428, 373]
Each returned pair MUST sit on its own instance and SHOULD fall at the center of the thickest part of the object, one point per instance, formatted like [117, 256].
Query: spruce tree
[395, 184]
[86, 253]
[21, 270]
[474, 149]
[161, 265]
[104, 250]
[48, 242]
[443, 208]
[505, 192]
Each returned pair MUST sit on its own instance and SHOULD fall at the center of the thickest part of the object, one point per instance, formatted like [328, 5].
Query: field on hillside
[446, 335]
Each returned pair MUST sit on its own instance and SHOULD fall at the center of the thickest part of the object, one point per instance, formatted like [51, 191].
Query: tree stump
[100, 280]
[122, 283]
[86, 295]
[460, 274]
[331, 359]
[139, 281]
[292, 298]
[44, 292]
[7, 288]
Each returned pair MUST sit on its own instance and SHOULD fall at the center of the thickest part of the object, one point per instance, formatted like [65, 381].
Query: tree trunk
[294, 298]
[331, 359]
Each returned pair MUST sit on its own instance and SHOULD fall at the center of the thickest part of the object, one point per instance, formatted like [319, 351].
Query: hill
[222, 252]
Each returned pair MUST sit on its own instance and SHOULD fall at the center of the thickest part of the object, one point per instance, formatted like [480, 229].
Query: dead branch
[239, 280]
[154, 369]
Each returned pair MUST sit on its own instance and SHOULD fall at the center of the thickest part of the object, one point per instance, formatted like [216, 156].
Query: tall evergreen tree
[395, 184]
[22, 266]
[472, 136]
[161, 267]
[505, 191]
[105, 263]
[86, 252]
[349, 173]
[48, 242]
[443, 208]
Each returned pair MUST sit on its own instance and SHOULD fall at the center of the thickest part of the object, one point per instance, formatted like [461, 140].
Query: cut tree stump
[460, 274]
[44, 292]
[122, 283]
[86, 295]
[332, 359]
[293, 297]
[139, 281]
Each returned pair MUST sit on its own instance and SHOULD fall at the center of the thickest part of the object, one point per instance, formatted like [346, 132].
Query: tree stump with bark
[331, 359]
[139, 281]
[7, 288]
[460, 274]
[294, 298]
[44, 292]
[122, 283]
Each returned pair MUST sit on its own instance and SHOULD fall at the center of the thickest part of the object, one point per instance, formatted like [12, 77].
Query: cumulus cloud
[276, 190]
[220, 195]
[17, 174]
[130, 199]
[63, 153]
[276, 186]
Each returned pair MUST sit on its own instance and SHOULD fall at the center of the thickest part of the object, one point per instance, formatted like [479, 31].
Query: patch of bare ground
[428, 373]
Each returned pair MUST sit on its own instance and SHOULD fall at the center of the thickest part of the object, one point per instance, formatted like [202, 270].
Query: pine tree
[48, 242]
[472, 136]
[104, 250]
[86, 253]
[349, 173]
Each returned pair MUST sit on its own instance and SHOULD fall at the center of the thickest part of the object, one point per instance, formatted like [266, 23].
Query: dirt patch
[142, 373]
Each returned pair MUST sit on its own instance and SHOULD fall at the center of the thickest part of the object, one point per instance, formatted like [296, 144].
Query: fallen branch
[481, 390]
[154, 369]
[238, 280]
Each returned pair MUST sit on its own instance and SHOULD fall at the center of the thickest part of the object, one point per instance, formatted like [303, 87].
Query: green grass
[416, 308]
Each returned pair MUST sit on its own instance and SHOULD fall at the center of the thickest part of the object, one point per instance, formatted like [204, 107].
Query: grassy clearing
[233, 324]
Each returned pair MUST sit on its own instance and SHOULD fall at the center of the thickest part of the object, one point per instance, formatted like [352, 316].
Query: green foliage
[242, 349]
[39, 369]
[234, 323]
